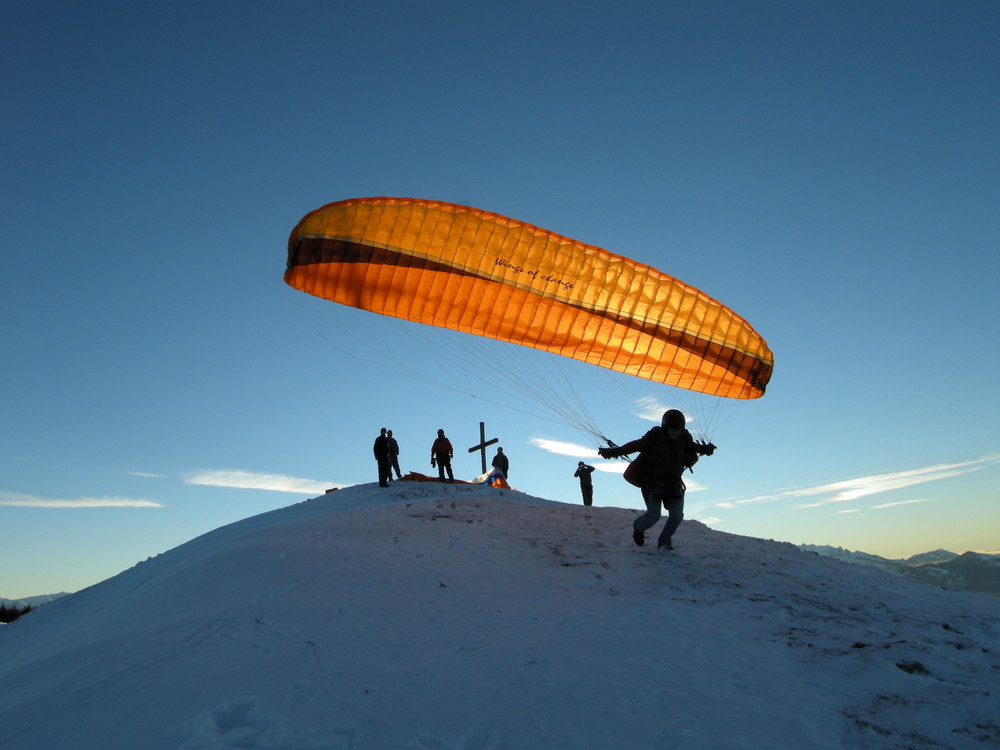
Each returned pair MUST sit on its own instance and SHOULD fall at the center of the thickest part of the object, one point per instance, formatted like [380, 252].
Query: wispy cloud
[145, 475]
[581, 452]
[650, 409]
[565, 449]
[249, 480]
[30, 501]
[849, 490]
[614, 467]
[902, 502]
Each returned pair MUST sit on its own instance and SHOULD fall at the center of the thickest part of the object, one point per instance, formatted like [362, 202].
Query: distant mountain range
[975, 572]
[30, 601]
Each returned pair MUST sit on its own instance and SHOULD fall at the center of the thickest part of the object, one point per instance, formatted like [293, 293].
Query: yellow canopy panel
[474, 271]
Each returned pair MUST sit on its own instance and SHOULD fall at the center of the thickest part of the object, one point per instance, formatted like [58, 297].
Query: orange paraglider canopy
[470, 270]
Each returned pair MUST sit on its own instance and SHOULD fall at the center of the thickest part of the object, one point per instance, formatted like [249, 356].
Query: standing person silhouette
[500, 461]
[583, 471]
[393, 455]
[441, 454]
[381, 450]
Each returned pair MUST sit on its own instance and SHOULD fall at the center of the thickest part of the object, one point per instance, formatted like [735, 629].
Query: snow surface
[459, 617]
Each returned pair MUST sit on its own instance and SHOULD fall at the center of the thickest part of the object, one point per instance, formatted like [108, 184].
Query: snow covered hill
[458, 617]
[929, 558]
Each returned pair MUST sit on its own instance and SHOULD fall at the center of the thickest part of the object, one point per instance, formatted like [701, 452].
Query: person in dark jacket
[583, 471]
[664, 453]
[441, 454]
[501, 462]
[381, 450]
[393, 455]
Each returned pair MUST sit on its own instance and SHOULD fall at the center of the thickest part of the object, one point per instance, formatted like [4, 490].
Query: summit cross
[483, 442]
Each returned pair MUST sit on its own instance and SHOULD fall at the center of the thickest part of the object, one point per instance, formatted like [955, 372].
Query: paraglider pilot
[664, 453]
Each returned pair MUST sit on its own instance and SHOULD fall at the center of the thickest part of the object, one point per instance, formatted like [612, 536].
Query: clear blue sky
[831, 171]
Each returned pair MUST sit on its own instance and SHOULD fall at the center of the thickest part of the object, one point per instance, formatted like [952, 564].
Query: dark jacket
[442, 450]
[659, 456]
[500, 462]
[584, 472]
[381, 448]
